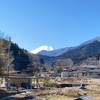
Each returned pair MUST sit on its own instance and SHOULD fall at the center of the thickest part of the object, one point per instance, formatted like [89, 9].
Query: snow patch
[46, 48]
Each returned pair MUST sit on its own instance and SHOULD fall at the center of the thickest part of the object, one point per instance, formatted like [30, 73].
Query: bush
[49, 84]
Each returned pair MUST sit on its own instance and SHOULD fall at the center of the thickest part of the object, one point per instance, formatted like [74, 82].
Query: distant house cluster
[20, 79]
[89, 72]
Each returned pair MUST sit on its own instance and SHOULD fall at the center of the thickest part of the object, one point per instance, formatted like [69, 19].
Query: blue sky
[58, 23]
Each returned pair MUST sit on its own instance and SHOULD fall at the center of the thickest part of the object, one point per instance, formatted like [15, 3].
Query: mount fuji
[49, 50]
[42, 48]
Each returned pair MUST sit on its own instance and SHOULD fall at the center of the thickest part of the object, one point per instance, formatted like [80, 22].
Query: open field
[67, 93]
[61, 94]
[59, 97]
[70, 93]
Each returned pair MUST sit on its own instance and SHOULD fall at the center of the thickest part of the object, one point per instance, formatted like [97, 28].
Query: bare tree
[64, 62]
[5, 54]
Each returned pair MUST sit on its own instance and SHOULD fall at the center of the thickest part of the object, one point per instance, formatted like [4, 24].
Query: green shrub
[47, 83]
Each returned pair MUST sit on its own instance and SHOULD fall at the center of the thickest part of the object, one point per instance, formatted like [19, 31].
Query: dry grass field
[59, 97]
[69, 93]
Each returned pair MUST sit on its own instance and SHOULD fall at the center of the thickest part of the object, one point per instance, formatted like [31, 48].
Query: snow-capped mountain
[41, 48]
[54, 52]
[49, 51]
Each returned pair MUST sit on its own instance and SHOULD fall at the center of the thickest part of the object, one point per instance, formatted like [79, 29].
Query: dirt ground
[68, 93]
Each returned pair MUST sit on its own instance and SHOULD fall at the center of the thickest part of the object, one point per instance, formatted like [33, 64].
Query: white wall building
[89, 74]
[65, 74]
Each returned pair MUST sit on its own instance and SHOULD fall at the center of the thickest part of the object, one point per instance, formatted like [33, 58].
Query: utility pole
[8, 62]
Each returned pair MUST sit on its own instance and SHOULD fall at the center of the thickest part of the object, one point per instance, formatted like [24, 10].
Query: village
[82, 80]
[49, 50]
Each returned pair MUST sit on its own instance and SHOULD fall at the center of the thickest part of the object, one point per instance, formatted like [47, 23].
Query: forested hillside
[83, 52]
[23, 59]
[17, 58]
[78, 55]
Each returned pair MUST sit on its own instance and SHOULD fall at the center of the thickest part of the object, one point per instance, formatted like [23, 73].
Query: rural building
[65, 74]
[89, 67]
[89, 73]
[17, 78]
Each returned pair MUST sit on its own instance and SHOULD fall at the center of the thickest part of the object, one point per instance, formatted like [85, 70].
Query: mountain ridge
[59, 52]
[82, 52]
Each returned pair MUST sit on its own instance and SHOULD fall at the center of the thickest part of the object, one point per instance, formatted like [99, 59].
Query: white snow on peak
[47, 48]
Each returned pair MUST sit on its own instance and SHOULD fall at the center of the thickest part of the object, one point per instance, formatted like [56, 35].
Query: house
[89, 73]
[65, 74]
[89, 67]
[17, 78]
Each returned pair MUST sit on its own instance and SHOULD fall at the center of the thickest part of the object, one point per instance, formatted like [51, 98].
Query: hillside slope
[82, 52]
[23, 59]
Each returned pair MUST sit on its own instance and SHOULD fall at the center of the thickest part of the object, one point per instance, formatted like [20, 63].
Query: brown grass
[93, 89]
[70, 93]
